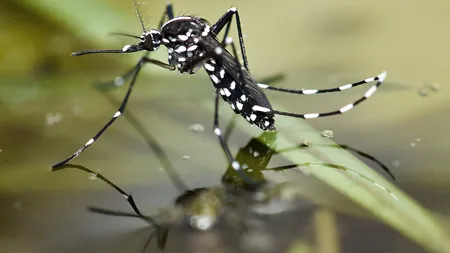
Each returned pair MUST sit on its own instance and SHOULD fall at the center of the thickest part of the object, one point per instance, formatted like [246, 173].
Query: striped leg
[370, 157]
[119, 112]
[312, 91]
[128, 197]
[346, 147]
[160, 231]
[234, 164]
[152, 143]
[378, 79]
[226, 20]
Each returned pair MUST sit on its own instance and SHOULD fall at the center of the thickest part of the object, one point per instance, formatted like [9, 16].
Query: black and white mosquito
[192, 43]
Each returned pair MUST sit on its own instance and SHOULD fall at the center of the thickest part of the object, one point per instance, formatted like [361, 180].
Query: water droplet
[396, 163]
[52, 119]
[327, 133]
[306, 143]
[424, 92]
[197, 128]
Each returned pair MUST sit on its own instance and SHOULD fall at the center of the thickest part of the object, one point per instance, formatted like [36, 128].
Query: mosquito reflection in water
[201, 208]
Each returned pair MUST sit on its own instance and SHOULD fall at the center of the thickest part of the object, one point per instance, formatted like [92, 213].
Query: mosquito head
[150, 40]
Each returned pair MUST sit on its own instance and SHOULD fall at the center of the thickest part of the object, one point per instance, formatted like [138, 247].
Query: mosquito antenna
[125, 49]
[106, 51]
[125, 34]
[139, 16]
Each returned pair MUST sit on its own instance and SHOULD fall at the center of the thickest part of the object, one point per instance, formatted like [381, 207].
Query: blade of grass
[403, 214]
[327, 237]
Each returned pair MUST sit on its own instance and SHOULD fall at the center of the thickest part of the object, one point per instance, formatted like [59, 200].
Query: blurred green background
[49, 109]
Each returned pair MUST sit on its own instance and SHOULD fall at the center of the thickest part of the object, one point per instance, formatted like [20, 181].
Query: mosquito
[192, 43]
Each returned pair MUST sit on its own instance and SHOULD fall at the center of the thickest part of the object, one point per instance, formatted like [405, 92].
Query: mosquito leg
[273, 79]
[379, 80]
[168, 13]
[153, 145]
[334, 166]
[234, 164]
[262, 85]
[226, 20]
[119, 112]
[372, 158]
[161, 231]
[119, 80]
[346, 147]
[128, 197]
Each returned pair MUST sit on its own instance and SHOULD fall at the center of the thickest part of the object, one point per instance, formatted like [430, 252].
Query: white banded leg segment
[263, 86]
[236, 166]
[89, 142]
[346, 108]
[379, 80]
[228, 40]
[310, 92]
[311, 115]
[232, 10]
[370, 91]
[125, 48]
[382, 76]
[345, 87]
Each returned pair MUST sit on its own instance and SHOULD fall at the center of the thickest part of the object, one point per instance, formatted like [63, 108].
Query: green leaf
[370, 191]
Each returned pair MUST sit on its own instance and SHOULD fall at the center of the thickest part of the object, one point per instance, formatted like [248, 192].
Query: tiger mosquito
[192, 43]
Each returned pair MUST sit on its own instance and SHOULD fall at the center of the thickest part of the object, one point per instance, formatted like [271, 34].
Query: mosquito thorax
[182, 36]
[151, 40]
